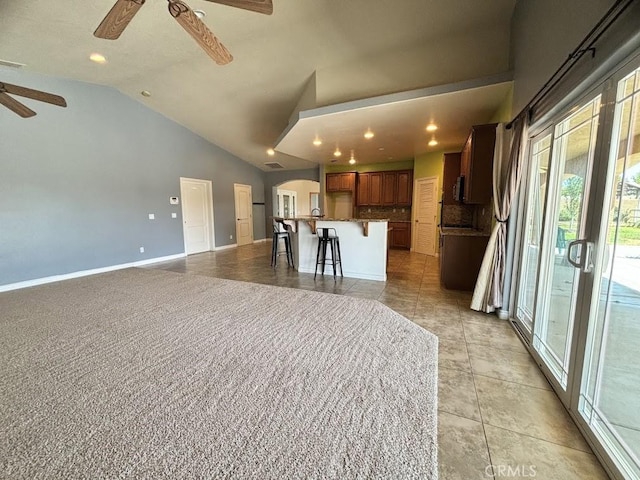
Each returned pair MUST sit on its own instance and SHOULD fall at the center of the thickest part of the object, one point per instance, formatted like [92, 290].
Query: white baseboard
[85, 273]
[262, 240]
[226, 247]
[503, 314]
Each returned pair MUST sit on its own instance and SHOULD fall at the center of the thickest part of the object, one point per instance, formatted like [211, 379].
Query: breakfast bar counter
[363, 244]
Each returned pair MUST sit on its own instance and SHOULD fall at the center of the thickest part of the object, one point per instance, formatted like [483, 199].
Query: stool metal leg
[287, 247]
[333, 257]
[317, 258]
[324, 255]
[290, 250]
[274, 251]
[339, 256]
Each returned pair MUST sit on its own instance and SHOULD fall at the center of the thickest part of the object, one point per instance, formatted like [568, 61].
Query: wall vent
[7, 63]
[275, 165]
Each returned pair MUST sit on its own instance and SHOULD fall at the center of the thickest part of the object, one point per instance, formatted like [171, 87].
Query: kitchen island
[363, 244]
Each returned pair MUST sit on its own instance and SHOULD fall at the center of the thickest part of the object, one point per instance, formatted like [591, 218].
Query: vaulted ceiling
[307, 54]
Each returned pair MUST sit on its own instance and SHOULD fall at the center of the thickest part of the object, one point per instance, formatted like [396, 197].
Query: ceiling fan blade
[16, 106]
[199, 31]
[33, 94]
[118, 18]
[260, 6]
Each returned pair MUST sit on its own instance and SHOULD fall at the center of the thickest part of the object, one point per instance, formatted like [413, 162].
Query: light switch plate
[152, 216]
[174, 215]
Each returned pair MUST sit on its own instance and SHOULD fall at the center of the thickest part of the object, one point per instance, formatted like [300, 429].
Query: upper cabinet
[385, 188]
[450, 178]
[405, 188]
[341, 182]
[476, 164]
[369, 189]
[389, 188]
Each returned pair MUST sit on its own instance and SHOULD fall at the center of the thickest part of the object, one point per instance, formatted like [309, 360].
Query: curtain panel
[507, 173]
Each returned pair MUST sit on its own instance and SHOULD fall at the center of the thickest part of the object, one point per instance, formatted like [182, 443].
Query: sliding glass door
[569, 180]
[538, 175]
[610, 390]
[578, 287]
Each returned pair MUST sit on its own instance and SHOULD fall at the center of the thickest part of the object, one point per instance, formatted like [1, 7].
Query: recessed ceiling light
[271, 152]
[200, 13]
[433, 142]
[97, 58]
[317, 142]
[432, 127]
[145, 93]
[368, 134]
[337, 153]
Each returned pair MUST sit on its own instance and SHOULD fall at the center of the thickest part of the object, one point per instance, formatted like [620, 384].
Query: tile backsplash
[458, 215]
[483, 220]
[397, 214]
[479, 217]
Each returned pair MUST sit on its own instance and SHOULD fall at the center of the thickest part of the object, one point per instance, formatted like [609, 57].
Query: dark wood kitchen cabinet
[389, 188]
[341, 182]
[460, 260]
[369, 189]
[404, 188]
[450, 178]
[400, 235]
[476, 164]
[375, 188]
[363, 196]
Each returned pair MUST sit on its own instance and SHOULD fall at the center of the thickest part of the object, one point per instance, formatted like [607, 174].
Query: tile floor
[498, 417]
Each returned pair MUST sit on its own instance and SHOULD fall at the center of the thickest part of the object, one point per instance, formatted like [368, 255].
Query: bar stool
[328, 237]
[277, 235]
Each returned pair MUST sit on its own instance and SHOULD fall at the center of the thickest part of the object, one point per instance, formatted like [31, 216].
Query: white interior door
[244, 215]
[197, 215]
[426, 212]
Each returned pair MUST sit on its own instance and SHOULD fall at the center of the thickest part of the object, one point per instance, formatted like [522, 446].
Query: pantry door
[426, 202]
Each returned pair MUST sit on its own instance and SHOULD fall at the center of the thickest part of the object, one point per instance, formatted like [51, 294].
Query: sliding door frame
[595, 206]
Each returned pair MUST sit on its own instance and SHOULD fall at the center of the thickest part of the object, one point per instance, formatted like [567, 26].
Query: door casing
[207, 208]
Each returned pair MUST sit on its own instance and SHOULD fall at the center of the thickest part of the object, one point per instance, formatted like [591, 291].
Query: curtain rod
[586, 45]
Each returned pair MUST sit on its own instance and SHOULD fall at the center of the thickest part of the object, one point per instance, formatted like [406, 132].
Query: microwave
[458, 189]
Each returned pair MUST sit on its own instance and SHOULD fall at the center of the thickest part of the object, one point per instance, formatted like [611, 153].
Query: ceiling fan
[123, 12]
[20, 108]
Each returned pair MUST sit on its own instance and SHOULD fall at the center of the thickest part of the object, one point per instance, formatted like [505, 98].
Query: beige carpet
[151, 374]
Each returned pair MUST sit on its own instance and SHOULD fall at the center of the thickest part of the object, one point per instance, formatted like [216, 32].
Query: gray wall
[272, 179]
[543, 34]
[78, 183]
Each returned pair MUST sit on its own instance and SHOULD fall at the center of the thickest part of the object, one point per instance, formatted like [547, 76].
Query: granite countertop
[463, 232]
[330, 219]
